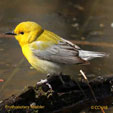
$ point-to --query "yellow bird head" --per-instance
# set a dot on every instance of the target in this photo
(27, 32)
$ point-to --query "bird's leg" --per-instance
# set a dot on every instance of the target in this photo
(49, 85)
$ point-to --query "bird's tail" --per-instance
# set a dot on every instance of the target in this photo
(88, 55)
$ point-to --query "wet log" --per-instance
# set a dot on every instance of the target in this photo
(59, 94)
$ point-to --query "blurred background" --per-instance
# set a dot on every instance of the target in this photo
(80, 20)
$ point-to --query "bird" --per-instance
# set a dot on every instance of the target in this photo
(48, 52)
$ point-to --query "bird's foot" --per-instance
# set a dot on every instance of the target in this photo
(49, 85)
(42, 81)
(48, 75)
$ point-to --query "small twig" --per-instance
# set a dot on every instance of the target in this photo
(100, 44)
(83, 74)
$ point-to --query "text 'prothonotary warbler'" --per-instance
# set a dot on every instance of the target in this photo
(48, 52)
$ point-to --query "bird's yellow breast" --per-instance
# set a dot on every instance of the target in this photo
(32, 59)
(39, 64)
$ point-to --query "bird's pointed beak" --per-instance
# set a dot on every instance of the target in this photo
(10, 33)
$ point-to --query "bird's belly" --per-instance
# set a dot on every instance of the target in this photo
(45, 66)
(39, 64)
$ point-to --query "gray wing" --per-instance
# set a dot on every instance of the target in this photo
(65, 53)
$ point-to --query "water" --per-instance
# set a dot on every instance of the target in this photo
(86, 21)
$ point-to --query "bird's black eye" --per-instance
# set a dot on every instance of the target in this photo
(22, 33)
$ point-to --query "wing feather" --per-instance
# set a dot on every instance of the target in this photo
(64, 52)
